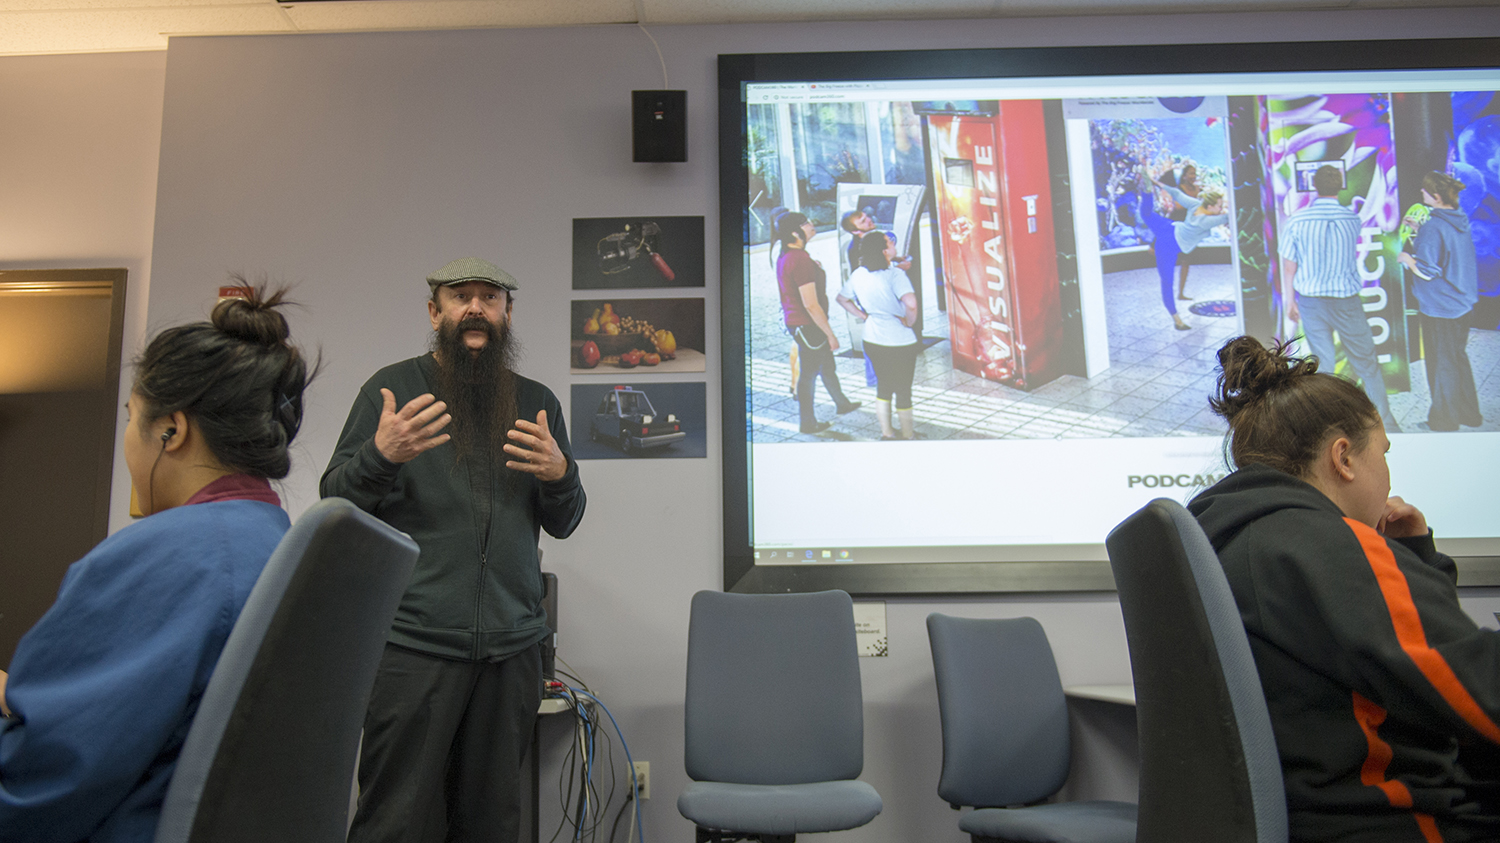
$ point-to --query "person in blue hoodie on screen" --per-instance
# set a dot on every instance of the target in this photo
(102, 690)
(1447, 288)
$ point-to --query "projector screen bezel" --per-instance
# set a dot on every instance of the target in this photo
(741, 572)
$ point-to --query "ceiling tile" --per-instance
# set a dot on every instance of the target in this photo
(65, 26)
(446, 14)
(120, 29)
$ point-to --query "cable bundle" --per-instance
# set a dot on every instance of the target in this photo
(582, 806)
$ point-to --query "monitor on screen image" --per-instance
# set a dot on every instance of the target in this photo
(1036, 201)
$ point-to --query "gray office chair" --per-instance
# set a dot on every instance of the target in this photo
(1005, 736)
(774, 718)
(271, 752)
(1209, 766)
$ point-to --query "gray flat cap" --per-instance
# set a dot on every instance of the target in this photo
(471, 269)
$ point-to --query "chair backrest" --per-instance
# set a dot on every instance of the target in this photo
(773, 693)
(271, 752)
(1209, 766)
(1005, 719)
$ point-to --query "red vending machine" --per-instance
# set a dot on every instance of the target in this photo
(999, 254)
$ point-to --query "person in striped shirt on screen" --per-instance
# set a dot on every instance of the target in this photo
(1321, 284)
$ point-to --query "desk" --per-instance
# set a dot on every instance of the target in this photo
(1122, 694)
(1105, 752)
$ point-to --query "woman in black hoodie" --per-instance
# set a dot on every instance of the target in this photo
(1384, 695)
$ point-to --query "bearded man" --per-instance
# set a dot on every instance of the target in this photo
(464, 470)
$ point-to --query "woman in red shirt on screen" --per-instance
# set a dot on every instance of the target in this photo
(804, 311)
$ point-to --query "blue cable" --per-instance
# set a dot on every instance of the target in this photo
(588, 772)
(587, 725)
(590, 754)
(634, 789)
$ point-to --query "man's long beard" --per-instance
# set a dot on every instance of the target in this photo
(480, 387)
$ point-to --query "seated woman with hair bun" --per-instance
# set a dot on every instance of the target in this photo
(102, 690)
(1384, 694)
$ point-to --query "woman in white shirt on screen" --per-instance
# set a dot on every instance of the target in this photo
(885, 295)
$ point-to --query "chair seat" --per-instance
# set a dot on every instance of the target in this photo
(1060, 822)
(779, 809)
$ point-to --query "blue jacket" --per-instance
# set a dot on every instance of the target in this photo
(104, 687)
(1447, 282)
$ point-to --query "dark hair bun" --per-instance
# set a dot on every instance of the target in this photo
(238, 376)
(253, 317)
(1281, 409)
(1250, 372)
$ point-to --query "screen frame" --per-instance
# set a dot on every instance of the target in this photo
(741, 573)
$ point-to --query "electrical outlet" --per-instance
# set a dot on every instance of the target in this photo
(643, 778)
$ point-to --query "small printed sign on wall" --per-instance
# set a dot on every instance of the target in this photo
(869, 629)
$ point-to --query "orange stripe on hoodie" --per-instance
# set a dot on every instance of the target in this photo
(1429, 828)
(1409, 633)
(1369, 716)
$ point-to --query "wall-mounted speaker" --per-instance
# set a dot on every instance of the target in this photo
(659, 120)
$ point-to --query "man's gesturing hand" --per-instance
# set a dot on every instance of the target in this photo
(403, 435)
(540, 456)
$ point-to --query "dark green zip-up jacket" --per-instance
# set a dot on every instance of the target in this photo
(474, 595)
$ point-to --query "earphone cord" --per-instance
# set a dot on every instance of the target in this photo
(151, 478)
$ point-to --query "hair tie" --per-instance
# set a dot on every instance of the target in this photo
(288, 415)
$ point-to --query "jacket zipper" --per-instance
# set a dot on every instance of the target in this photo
(478, 605)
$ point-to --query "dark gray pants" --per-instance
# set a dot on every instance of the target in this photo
(1321, 317)
(814, 359)
(443, 745)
